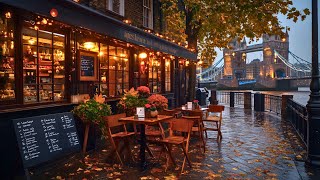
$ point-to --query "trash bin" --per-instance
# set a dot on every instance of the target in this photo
(201, 96)
(259, 102)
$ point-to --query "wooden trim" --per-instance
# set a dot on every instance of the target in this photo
(95, 73)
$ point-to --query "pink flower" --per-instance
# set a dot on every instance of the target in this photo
(143, 90)
(159, 101)
(147, 106)
(195, 101)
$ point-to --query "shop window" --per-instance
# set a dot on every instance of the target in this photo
(116, 6)
(118, 71)
(154, 75)
(148, 14)
(7, 79)
(168, 75)
(43, 66)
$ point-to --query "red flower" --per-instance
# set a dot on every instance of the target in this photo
(147, 106)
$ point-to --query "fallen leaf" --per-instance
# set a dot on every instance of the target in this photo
(79, 169)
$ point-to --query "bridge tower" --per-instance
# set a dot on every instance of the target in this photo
(273, 67)
(234, 59)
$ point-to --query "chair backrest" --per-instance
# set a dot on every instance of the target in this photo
(113, 120)
(216, 108)
(196, 113)
(182, 125)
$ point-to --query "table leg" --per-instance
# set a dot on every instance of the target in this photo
(142, 147)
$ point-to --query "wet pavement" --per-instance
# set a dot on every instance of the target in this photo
(254, 146)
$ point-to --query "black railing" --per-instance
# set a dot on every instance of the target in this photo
(231, 98)
(273, 103)
(297, 115)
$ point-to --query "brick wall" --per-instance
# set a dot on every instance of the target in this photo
(133, 11)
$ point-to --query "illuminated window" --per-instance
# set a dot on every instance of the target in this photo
(168, 75)
(114, 70)
(43, 66)
(7, 79)
(154, 75)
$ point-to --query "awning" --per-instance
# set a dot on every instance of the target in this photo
(79, 15)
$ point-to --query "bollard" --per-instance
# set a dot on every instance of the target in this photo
(213, 99)
(247, 100)
(284, 103)
(231, 99)
(259, 102)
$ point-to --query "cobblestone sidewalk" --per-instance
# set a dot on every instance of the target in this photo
(254, 146)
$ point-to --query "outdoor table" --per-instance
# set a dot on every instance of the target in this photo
(142, 122)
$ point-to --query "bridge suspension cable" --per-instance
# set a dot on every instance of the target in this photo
(290, 65)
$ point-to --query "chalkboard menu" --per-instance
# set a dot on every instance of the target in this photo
(88, 66)
(44, 138)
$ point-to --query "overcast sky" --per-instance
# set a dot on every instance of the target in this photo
(299, 34)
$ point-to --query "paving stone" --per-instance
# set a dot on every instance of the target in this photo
(255, 145)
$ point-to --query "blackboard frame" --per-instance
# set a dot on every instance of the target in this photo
(94, 55)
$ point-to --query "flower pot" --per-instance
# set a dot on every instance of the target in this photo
(154, 113)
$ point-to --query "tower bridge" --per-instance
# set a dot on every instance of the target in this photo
(233, 71)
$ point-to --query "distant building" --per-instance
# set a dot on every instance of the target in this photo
(253, 69)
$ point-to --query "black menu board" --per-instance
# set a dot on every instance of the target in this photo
(87, 65)
(44, 138)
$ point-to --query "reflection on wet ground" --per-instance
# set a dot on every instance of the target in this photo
(254, 146)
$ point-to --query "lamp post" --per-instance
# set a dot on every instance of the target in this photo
(313, 105)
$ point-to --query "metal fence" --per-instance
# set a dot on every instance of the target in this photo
(297, 115)
(273, 103)
(230, 98)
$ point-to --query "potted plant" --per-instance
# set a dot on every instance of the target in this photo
(195, 104)
(92, 111)
(131, 100)
(151, 110)
(159, 101)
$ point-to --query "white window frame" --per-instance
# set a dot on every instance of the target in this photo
(121, 7)
(150, 17)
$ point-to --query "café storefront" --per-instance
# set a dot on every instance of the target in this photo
(53, 52)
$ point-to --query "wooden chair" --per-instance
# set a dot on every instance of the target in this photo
(113, 124)
(214, 116)
(198, 126)
(179, 135)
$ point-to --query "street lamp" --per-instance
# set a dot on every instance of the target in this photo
(313, 106)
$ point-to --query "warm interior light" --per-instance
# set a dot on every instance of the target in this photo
(8, 15)
(100, 53)
(44, 21)
(283, 39)
(143, 55)
(233, 54)
(88, 45)
(168, 63)
(31, 41)
(187, 63)
(12, 45)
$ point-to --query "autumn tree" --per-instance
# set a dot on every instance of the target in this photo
(206, 24)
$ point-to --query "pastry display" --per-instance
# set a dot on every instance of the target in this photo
(44, 67)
